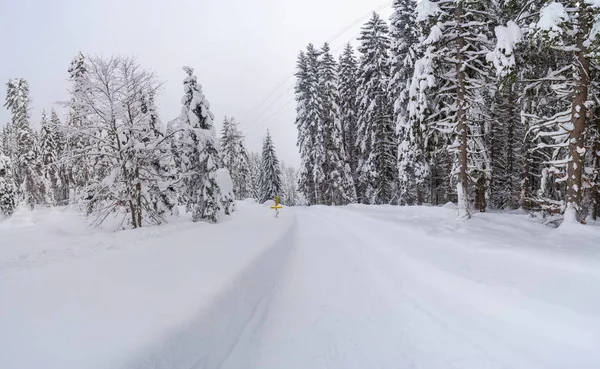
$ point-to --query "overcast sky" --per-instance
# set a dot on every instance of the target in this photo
(241, 50)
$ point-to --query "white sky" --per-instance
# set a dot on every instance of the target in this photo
(241, 50)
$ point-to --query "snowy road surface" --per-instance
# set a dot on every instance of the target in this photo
(361, 290)
(352, 287)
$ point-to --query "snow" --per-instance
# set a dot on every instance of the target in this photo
(224, 181)
(551, 16)
(503, 55)
(161, 297)
(426, 9)
(320, 287)
(415, 287)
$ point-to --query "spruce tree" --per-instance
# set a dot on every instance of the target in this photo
(454, 64)
(49, 149)
(78, 172)
(376, 138)
(235, 158)
(348, 74)
(270, 174)
(571, 28)
(26, 162)
(413, 168)
(338, 184)
(308, 123)
(7, 188)
(60, 138)
(289, 180)
(199, 156)
(255, 169)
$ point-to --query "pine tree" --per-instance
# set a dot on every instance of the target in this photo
(454, 63)
(405, 50)
(235, 158)
(270, 175)
(338, 183)
(50, 153)
(7, 187)
(289, 180)
(571, 28)
(255, 169)
(348, 74)
(78, 172)
(308, 123)
(377, 138)
(62, 191)
(199, 156)
(26, 162)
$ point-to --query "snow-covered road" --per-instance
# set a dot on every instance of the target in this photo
(350, 287)
(387, 288)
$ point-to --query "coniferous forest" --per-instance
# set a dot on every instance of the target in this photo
(490, 104)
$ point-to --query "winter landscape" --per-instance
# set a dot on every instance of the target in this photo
(439, 200)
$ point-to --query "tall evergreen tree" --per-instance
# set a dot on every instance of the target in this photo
(235, 158)
(455, 57)
(376, 138)
(60, 138)
(26, 163)
(308, 122)
(255, 169)
(270, 175)
(348, 74)
(571, 28)
(412, 133)
(78, 171)
(199, 156)
(289, 191)
(50, 153)
(338, 184)
(7, 188)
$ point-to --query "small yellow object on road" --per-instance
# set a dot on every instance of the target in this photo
(277, 206)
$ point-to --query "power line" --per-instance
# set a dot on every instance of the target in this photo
(284, 81)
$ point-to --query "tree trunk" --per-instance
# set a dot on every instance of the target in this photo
(526, 187)
(574, 210)
(462, 189)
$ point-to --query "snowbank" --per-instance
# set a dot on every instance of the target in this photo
(174, 296)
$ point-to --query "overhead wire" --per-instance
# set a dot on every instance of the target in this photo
(286, 79)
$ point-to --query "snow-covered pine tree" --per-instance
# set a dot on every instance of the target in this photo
(413, 168)
(308, 123)
(199, 155)
(62, 193)
(235, 158)
(338, 184)
(376, 137)
(454, 60)
(7, 188)
(347, 76)
(25, 164)
(255, 169)
(159, 171)
(270, 174)
(289, 180)
(571, 27)
(78, 166)
(49, 151)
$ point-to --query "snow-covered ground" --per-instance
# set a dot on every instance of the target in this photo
(174, 296)
(351, 287)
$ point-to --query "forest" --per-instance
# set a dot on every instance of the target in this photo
(490, 104)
